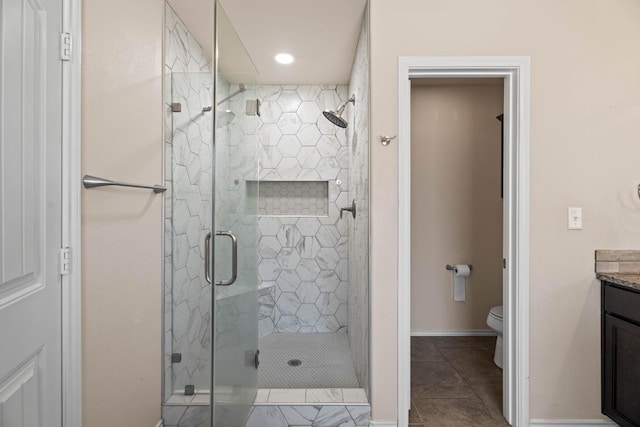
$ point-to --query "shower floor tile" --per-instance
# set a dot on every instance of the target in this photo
(326, 361)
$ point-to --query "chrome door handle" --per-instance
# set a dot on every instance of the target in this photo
(234, 258)
(207, 260)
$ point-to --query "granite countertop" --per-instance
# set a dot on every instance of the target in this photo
(628, 280)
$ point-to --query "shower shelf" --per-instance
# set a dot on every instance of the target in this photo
(291, 198)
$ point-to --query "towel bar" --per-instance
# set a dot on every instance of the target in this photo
(93, 181)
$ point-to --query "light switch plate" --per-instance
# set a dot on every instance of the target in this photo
(574, 218)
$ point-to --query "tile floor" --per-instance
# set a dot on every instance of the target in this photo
(454, 382)
(326, 361)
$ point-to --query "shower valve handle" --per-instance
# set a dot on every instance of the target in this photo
(351, 209)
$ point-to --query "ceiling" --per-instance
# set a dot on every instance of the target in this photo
(321, 35)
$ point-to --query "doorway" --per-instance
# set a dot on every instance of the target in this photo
(456, 222)
(515, 73)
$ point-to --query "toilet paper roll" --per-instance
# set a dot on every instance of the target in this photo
(460, 272)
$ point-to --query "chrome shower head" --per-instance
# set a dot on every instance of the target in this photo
(335, 117)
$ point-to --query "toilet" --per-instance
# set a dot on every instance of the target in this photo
(494, 321)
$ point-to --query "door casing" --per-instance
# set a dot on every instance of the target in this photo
(71, 218)
(516, 74)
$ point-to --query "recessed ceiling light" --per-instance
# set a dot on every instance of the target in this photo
(284, 58)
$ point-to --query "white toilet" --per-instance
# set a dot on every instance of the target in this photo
(494, 321)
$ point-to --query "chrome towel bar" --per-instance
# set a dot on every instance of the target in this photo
(93, 181)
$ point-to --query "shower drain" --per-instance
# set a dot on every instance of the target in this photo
(294, 362)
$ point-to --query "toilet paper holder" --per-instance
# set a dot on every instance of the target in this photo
(452, 267)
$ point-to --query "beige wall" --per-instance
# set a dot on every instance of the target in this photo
(585, 104)
(456, 208)
(122, 140)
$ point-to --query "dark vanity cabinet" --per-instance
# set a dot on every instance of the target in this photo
(621, 354)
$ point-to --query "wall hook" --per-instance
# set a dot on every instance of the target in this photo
(386, 140)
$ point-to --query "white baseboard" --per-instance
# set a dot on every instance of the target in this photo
(532, 423)
(576, 423)
(160, 424)
(462, 333)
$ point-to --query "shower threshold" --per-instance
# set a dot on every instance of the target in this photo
(285, 396)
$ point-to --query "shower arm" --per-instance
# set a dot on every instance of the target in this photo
(342, 106)
(238, 92)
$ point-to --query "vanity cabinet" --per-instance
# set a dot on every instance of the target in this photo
(621, 354)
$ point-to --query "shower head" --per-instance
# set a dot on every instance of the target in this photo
(335, 117)
(223, 118)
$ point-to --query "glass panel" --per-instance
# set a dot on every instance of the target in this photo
(236, 163)
(187, 220)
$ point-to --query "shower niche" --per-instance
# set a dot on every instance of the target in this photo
(269, 186)
(291, 198)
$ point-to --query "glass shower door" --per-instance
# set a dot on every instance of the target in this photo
(234, 236)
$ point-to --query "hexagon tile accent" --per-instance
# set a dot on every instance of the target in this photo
(303, 179)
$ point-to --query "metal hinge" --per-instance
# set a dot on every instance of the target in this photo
(66, 46)
(65, 261)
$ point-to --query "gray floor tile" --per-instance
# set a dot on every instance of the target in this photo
(472, 362)
(455, 383)
(455, 413)
(489, 390)
(438, 380)
(423, 348)
(464, 342)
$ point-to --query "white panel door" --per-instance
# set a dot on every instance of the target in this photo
(30, 213)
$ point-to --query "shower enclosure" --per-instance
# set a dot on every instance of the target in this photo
(266, 280)
(210, 310)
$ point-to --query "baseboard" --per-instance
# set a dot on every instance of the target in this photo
(532, 423)
(462, 333)
(160, 424)
(576, 423)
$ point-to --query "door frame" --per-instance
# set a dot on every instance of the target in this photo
(71, 218)
(515, 70)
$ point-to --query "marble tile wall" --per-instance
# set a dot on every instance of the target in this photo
(304, 257)
(237, 167)
(358, 140)
(307, 415)
(269, 415)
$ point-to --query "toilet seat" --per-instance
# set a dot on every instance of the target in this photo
(496, 312)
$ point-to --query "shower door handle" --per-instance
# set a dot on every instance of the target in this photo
(234, 258)
(207, 260)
